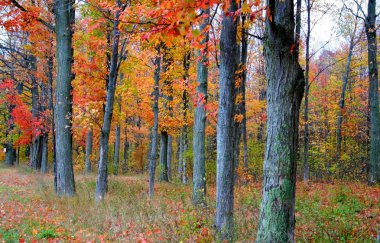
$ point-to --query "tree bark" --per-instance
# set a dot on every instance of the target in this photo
(306, 166)
(343, 93)
(199, 157)
(168, 98)
(153, 152)
(64, 19)
(170, 155)
(102, 181)
(9, 152)
(374, 159)
(126, 148)
(89, 142)
(178, 156)
(225, 127)
(51, 107)
(44, 153)
(183, 157)
(164, 156)
(116, 157)
(244, 57)
(36, 145)
(285, 91)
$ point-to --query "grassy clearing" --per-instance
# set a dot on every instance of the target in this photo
(29, 210)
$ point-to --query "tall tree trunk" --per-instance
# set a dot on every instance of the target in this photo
(183, 156)
(199, 157)
(102, 181)
(262, 97)
(17, 162)
(50, 64)
(178, 156)
(45, 133)
(164, 156)
(285, 91)
(374, 159)
(116, 157)
(153, 152)
(170, 155)
(64, 19)
(225, 127)
(168, 98)
(238, 109)
(126, 148)
(9, 152)
(44, 155)
(36, 145)
(306, 167)
(89, 142)
(343, 93)
(244, 57)
(185, 101)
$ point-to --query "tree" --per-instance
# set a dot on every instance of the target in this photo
(352, 44)
(370, 30)
(153, 152)
(225, 127)
(285, 91)
(374, 131)
(64, 19)
(89, 142)
(306, 166)
(199, 173)
(102, 180)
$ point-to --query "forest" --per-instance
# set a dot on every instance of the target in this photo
(189, 121)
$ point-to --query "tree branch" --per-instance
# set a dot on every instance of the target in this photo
(47, 25)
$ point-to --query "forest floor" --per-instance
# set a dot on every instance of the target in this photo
(30, 211)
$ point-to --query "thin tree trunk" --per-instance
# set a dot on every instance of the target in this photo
(169, 158)
(184, 146)
(178, 156)
(116, 157)
(225, 127)
(168, 98)
(306, 167)
(343, 93)
(17, 162)
(89, 142)
(36, 145)
(44, 155)
(185, 101)
(51, 107)
(153, 152)
(102, 181)
(64, 19)
(164, 156)
(199, 157)
(374, 161)
(244, 57)
(285, 91)
(126, 148)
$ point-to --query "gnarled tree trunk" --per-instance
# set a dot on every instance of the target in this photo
(285, 91)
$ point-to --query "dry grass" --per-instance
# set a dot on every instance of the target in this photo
(30, 210)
